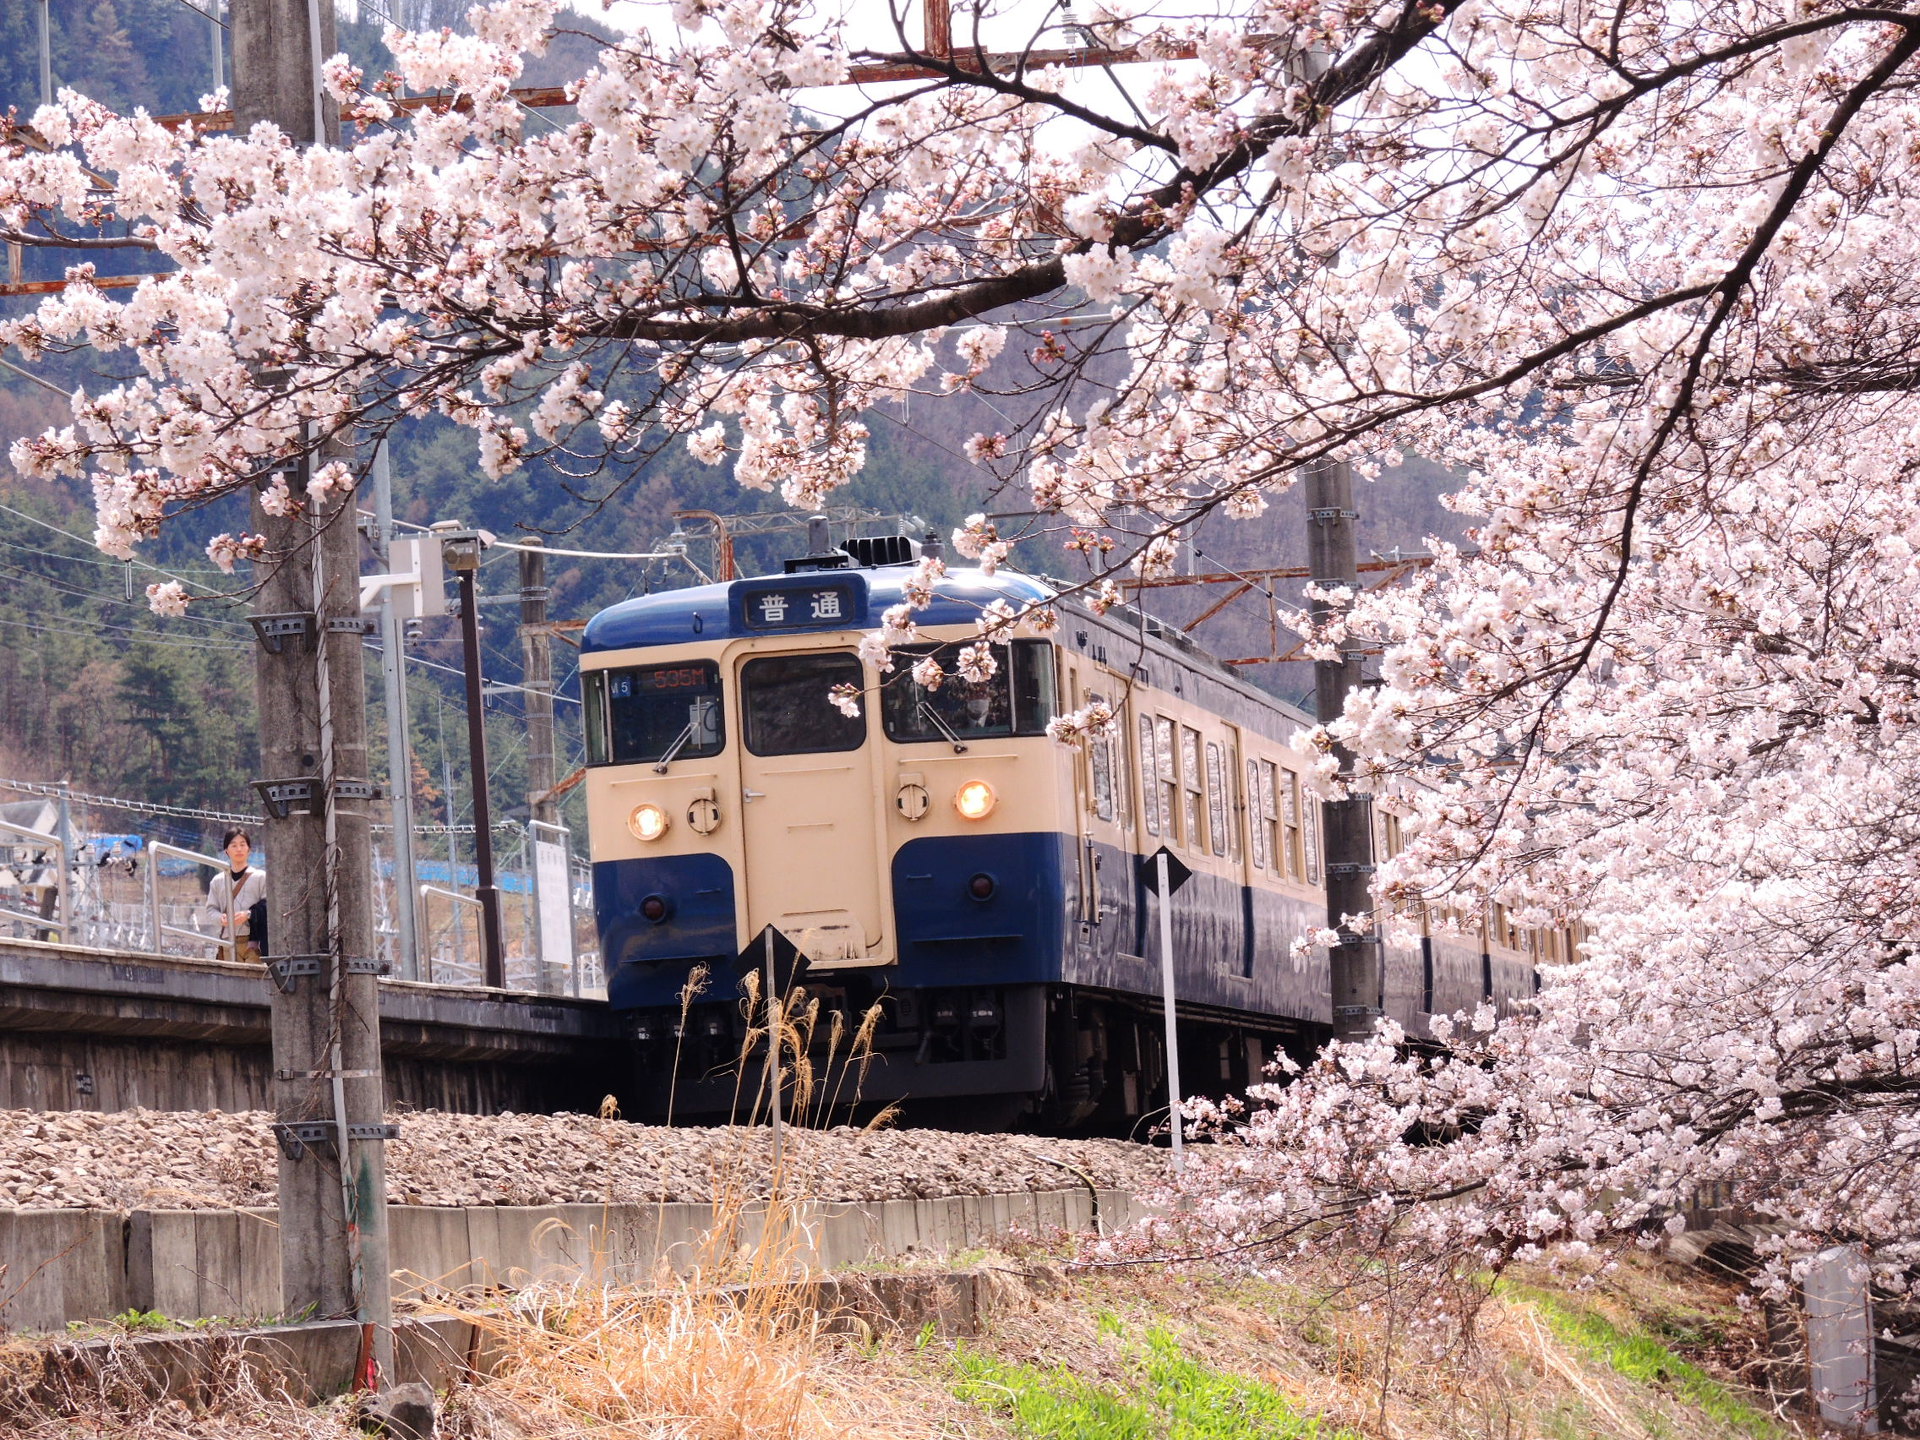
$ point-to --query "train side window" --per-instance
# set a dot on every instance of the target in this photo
(1194, 784)
(1116, 742)
(651, 710)
(1310, 833)
(783, 699)
(1100, 762)
(1216, 800)
(1256, 818)
(593, 706)
(1290, 817)
(1033, 686)
(1017, 699)
(1236, 807)
(1167, 778)
(1270, 812)
(1149, 791)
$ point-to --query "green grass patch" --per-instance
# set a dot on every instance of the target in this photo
(1644, 1359)
(1167, 1395)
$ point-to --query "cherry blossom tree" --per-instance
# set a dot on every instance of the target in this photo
(1644, 274)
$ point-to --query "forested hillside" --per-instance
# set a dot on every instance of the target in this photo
(95, 689)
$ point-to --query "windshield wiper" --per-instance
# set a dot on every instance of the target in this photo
(932, 717)
(679, 744)
(698, 714)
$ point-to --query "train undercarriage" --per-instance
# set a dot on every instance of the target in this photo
(1053, 1058)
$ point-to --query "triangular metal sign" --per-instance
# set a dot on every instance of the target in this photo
(1177, 873)
(788, 963)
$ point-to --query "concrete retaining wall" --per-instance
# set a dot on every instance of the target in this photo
(100, 1030)
(316, 1359)
(58, 1266)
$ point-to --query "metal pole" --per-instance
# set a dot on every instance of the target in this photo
(46, 52)
(158, 935)
(492, 953)
(1166, 1002)
(774, 1012)
(393, 666)
(457, 930)
(1354, 964)
(68, 863)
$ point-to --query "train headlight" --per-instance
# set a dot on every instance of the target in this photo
(974, 800)
(647, 822)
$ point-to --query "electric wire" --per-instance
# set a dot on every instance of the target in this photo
(143, 637)
(83, 540)
(119, 802)
(25, 574)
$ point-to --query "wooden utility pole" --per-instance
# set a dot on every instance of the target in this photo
(536, 655)
(1333, 559)
(328, 1091)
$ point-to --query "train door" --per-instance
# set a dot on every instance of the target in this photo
(1088, 861)
(1240, 850)
(807, 782)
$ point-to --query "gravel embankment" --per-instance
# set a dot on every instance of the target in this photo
(151, 1159)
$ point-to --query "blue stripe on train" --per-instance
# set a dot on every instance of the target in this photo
(949, 937)
(646, 964)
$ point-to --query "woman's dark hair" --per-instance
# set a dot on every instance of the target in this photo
(236, 833)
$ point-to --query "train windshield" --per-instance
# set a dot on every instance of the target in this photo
(784, 699)
(1017, 699)
(649, 711)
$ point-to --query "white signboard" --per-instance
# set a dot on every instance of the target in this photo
(1840, 1338)
(553, 896)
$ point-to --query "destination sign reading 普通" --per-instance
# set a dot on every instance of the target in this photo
(822, 605)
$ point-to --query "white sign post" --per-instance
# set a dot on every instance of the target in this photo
(1840, 1339)
(1169, 875)
(553, 902)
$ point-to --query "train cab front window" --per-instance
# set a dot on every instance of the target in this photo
(645, 713)
(1017, 699)
(784, 701)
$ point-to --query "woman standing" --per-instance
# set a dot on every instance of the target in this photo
(237, 899)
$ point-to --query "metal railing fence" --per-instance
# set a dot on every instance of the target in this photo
(149, 896)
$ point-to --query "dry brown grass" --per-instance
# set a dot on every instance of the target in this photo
(729, 1349)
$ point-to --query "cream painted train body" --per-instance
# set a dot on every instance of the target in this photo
(939, 854)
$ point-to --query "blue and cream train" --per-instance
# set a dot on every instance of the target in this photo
(937, 853)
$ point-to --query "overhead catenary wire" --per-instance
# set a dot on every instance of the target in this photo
(40, 380)
(120, 802)
(456, 670)
(22, 573)
(120, 632)
(550, 550)
(206, 14)
(83, 540)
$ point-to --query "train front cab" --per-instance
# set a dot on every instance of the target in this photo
(911, 851)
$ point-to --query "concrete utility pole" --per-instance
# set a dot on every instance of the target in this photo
(1333, 559)
(536, 651)
(327, 1088)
